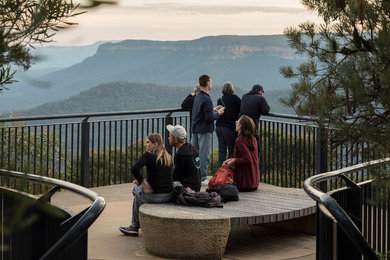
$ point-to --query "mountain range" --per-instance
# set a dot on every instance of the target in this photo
(128, 96)
(242, 60)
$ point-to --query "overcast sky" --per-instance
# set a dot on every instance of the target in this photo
(184, 20)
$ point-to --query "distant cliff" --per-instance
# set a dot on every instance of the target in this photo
(242, 60)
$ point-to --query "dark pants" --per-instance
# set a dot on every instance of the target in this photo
(226, 140)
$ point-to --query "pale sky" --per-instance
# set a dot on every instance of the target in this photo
(172, 20)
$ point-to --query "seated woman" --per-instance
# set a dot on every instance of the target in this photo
(245, 160)
(158, 185)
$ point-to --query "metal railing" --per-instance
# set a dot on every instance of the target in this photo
(50, 235)
(98, 149)
(363, 225)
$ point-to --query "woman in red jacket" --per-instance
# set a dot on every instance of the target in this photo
(246, 158)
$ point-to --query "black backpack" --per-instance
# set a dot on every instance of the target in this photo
(199, 198)
(228, 192)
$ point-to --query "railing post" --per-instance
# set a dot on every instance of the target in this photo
(322, 154)
(324, 229)
(351, 202)
(85, 153)
(168, 121)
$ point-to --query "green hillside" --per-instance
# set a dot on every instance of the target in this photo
(127, 96)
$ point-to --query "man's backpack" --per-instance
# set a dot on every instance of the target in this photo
(199, 198)
(228, 192)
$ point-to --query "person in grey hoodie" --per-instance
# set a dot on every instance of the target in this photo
(187, 163)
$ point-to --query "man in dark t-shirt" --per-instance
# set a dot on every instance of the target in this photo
(186, 159)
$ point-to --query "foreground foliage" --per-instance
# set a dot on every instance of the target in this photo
(27, 22)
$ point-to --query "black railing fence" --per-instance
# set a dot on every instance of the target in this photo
(351, 222)
(34, 228)
(99, 149)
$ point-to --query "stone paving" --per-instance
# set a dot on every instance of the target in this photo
(245, 242)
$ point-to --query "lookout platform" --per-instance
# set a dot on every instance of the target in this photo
(202, 233)
(245, 241)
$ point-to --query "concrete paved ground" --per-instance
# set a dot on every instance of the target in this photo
(246, 242)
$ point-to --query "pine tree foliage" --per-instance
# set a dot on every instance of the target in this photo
(345, 81)
(27, 22)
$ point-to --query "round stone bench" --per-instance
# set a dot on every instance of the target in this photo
(175, 232)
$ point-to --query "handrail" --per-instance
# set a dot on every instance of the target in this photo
(286, 116)
(126, 113)
(87, 115)
(82, 225)
(345, 222)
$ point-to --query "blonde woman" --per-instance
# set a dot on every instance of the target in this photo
(157, 187)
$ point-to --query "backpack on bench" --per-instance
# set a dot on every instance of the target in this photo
(199, 198)
(228, 192)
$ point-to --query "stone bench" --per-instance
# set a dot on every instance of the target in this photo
(175, 231)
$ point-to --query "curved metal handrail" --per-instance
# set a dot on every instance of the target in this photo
(82, 225)
(345, 222)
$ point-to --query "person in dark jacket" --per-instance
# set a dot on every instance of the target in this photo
(253, 104)
(188, 102)
(157, 187)
(225, 125)
(187, 163)
(245, 160)
(203, 117)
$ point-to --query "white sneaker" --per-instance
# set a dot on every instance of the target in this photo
(205, 182)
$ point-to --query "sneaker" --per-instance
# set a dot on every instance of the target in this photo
(205, 182)
(129, 231)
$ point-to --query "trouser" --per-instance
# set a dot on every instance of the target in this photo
(202, 143)
(226, 140)
(140, 198)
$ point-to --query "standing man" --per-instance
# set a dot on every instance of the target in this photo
(186, 159)
(202, 123)
(253, 104)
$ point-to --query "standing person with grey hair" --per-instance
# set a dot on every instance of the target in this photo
(203, 117)
(187, 163)
(225, 125)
